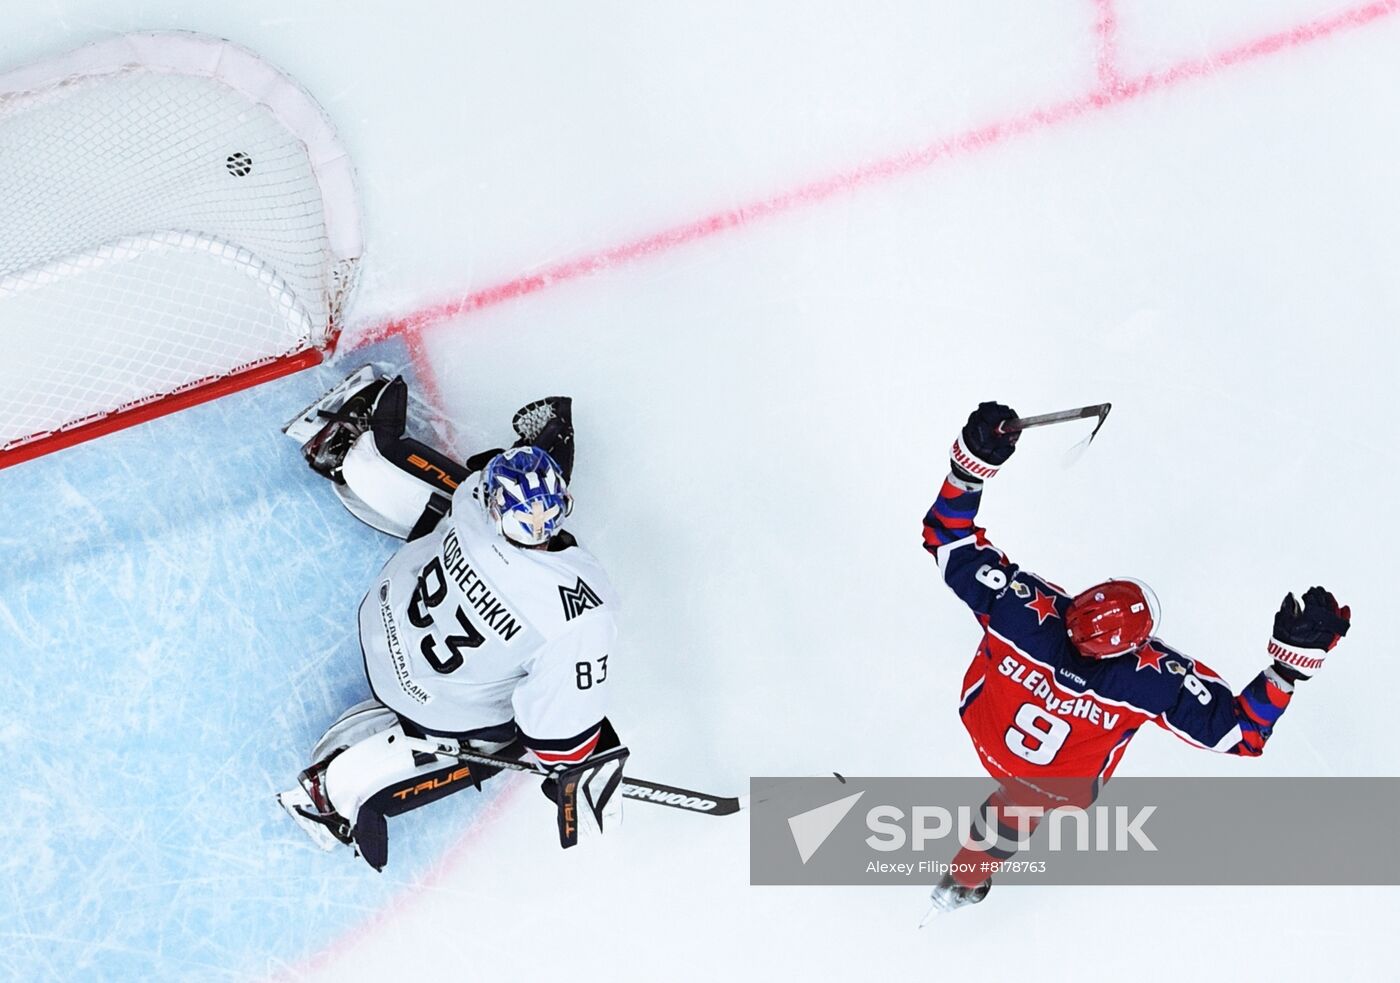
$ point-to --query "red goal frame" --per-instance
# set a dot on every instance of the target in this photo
(203, 391)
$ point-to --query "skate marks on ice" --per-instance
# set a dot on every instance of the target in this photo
(178, 626)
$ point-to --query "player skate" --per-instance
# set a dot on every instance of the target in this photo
(948, 895)
(1097, 652)
(491, 630)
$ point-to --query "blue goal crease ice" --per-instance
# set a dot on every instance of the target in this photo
(177, 623)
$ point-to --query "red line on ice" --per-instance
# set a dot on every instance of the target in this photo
(425, 379)
(406, 897)
(942, 149)
(1106, 57)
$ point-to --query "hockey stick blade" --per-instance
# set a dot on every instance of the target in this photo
(680, 798)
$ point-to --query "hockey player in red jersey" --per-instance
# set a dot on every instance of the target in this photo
(1060, 684)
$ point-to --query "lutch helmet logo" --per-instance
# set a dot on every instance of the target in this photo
(812, 828)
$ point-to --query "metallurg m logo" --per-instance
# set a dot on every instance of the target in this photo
(578, 599)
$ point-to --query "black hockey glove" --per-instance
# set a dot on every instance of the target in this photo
(1305, 631)
(982, 447)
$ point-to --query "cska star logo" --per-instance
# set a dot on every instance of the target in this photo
(578, 599)
(1043, 606)
(1150, 656)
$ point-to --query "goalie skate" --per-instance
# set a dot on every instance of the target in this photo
(320, 828)
(310, 421)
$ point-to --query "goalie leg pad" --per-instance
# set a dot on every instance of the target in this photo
(389, 479)
(436, 783)
(377, 761)
(352, 726)
(372, 838)
(371, 765)
(386, 773)
(379, 492)
(389, 423)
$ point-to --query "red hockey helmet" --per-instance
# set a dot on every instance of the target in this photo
(1112, 618)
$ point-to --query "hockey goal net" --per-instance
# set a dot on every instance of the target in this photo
(178, 220)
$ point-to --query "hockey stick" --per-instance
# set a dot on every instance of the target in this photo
(632, 788)
(1099, 410)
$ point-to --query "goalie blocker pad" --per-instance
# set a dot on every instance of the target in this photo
(587, 795)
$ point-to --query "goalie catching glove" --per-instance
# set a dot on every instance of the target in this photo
(1305, 631)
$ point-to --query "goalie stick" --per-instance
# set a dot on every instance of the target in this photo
(638, 789)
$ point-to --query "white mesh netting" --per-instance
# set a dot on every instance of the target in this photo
(172, 212)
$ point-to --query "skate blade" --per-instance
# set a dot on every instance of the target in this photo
(309, 422)
(296, 799)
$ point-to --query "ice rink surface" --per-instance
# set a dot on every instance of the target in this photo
(776, 252)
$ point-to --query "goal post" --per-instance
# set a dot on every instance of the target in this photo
(178, 221)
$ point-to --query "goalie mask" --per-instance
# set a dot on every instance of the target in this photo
(1112, 618)
(524, 491)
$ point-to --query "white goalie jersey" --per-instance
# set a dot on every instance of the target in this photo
(463, 631)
